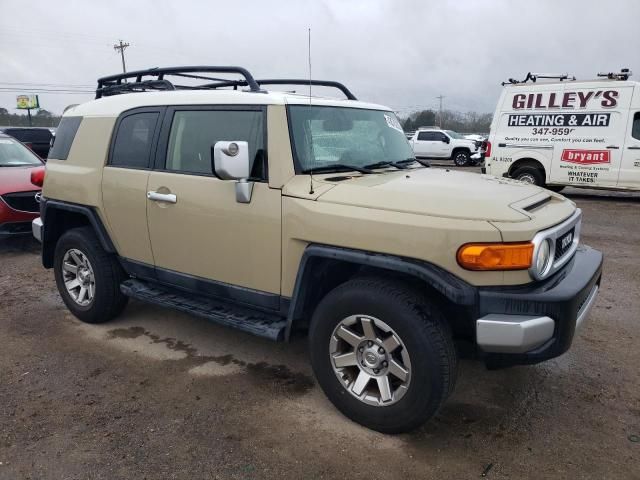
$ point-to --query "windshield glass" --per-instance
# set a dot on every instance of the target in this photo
(455, 135)
(14, 154)
(326, 136)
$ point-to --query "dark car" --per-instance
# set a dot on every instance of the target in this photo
(37, 139)
(18, 203)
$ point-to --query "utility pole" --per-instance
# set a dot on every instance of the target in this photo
(440, 97)
(121, 46)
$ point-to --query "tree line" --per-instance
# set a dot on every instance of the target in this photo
(469, 122)
(40, 118)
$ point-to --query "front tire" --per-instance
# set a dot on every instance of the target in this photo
(383, 354)
(461, 158)
(87, 277)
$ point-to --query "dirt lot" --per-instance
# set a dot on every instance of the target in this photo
(157, 394)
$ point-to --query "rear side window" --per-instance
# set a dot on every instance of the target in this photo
(64, 137)
(635, 130)
(424, 136)
(134, 140)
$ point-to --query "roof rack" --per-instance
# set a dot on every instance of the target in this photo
(624, 74)
(117, 84)
(289, 81)
(535, 76)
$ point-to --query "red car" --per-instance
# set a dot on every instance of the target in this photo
(18, 203)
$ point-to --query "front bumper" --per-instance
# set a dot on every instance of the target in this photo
(532, 323)
(14, 222)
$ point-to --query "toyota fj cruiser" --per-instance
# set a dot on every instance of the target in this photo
(278, 213)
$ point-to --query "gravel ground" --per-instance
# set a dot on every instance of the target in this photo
(157, 394)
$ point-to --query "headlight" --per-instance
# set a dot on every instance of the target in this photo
(543, 258)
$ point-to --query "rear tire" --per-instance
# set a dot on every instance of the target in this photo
(407, 340)
(88, 278)
(531, 175)
(461, 158)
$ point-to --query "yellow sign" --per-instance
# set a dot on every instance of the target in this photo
(27, 102)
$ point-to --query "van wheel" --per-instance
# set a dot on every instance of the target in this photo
(530, 175)
(87, 277)
(383, 354)
(461, 158)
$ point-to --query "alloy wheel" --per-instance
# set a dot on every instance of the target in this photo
(370, 360)
(78, 277)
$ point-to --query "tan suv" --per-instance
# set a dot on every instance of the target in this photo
(280, 213)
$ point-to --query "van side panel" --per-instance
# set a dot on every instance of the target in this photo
(574, 130)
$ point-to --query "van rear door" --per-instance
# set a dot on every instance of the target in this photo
(588, 135)
(630, 170)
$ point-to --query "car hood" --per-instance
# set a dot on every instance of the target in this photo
(437, 192)
(17, 179)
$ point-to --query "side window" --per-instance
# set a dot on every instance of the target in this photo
(635, 130)
(423, 136)
(63, 140)
(440, 137)
(195, 132)
(134, 140)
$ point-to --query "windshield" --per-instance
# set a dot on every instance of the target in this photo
(326, 136)
(14, 154)
(455, 135)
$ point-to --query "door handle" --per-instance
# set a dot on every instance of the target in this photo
(613, 147)
(162, 197)
(634, 148)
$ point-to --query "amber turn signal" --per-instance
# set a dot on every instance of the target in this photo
(495, 256)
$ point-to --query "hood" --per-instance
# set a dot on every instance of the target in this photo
(17, 179)
(437, 192)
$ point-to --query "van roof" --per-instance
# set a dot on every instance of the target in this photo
(595, 82)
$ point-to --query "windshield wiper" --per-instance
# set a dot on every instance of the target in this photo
(386, 163)
(337, 167)
(407, 161)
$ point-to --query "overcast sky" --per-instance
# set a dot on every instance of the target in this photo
(398, 53)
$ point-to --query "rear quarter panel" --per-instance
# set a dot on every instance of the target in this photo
(78, 179)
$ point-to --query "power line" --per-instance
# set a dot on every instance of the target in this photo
(46, 85)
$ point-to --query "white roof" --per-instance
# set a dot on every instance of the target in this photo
(114, 105)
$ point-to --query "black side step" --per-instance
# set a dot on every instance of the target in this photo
(243, 318)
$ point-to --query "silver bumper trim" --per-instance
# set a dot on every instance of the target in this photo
(512, 333)
(583, 313)
(36, 229)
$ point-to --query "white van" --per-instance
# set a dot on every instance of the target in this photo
(567, 132)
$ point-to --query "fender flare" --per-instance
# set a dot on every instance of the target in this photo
(451, 287)
(50, 208)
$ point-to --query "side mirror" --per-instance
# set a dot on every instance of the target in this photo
(445, 139)
(231, 162)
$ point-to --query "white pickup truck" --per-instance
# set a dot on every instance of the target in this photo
(436, 143)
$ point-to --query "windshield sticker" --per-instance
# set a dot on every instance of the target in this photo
(393, 122)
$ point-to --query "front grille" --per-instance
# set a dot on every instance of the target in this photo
(563, 243)
(23, 201)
